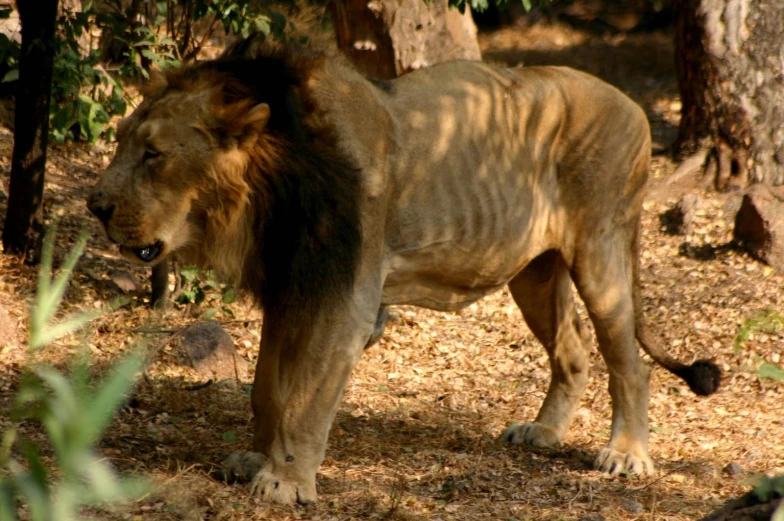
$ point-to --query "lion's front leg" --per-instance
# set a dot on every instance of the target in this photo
(302, 370)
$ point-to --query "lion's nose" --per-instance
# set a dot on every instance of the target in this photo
(97, 204)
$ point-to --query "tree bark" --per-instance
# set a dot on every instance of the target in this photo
(387, 38)
(730, 64)
(23, 227)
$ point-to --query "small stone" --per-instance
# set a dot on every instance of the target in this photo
(631, 506)
(595, 516)
(242, 466)
(678, 478)
(210, 350)
(732, 469)
(124, 280)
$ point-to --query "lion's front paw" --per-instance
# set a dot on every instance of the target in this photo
(614, 462)
(532, 434)
(271, 488)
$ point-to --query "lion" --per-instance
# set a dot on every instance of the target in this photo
(329, 197)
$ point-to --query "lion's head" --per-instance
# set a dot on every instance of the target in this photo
(227, 165)
(178, 176)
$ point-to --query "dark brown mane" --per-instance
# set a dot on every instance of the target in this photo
(305, 193)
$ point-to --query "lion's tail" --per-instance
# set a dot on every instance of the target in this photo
(703, 376)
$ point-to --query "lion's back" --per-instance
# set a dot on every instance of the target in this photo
(468, 116)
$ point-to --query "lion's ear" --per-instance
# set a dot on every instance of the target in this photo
(252, 122)
(156, 84)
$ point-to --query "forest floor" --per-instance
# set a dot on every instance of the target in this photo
(416, 434)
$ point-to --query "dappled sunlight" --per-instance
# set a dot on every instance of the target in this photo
(416, 434)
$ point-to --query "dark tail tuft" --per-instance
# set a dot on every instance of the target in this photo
(703, 377)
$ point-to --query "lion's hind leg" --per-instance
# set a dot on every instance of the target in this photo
(543, 293)
(603, 276)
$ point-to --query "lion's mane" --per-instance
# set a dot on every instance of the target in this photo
(290, 198)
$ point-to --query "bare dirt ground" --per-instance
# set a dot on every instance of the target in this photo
(415, 437)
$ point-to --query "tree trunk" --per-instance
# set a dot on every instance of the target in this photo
(23, 228)
(730, 63)
(387, 38)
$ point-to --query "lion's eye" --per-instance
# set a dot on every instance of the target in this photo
(150, 154)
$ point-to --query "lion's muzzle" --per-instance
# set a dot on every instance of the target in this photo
(100, 205)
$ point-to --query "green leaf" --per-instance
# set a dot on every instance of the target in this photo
(36, 467)
(45, 270)
(6, 443)
(38, 497)
(104, 485)
(188, 274)
(769, 488)
(527, 4)
(58, 287)
(117, 105)
(480, 5)
(53, 332)
(61, 409)
(228, 436)
(767, 321)
(92, 118)
(8, 506)
(11, 75)
(210, 314)
(111, 393)
(769, 371)
(50, 294)
(778, 515)
(229, 295)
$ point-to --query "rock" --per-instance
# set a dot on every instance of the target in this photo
(124, 280)
(241, 466)
(592, 517)
(209, 349)
(678, 219)
(759, 225)
(732, 469)
(730, 208)
(631, 506)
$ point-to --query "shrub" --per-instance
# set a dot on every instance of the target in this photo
(72, 411)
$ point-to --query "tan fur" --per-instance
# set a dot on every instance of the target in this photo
(472, 177)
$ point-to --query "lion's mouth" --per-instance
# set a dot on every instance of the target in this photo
(148, 253)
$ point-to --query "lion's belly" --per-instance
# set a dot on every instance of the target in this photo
(448, 275)
(428, 291)
(434, 296)
(464, 231)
